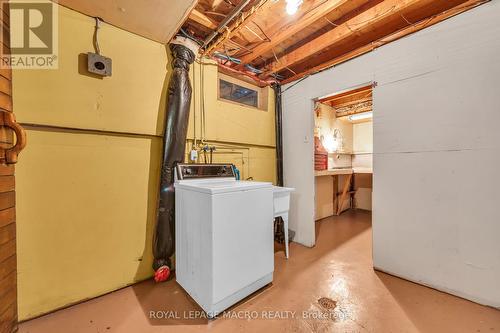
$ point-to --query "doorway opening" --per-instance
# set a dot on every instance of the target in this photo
(343, 150)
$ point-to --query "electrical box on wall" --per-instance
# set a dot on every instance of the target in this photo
(98, 64)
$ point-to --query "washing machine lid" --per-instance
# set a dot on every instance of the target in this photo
(216, 186)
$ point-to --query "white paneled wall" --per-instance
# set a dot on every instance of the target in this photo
(436, 153)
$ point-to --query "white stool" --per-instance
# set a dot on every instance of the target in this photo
(281, 208)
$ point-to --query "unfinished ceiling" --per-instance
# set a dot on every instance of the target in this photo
(350, 102)
(355, 104)
(265, 43)
(158, 20)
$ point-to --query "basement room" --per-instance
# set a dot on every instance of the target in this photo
(249, 165)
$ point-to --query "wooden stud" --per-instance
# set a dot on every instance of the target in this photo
(335, 194)
(347, 185)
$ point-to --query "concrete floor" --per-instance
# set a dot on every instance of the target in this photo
(338, 269)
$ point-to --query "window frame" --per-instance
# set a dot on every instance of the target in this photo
(262, 98)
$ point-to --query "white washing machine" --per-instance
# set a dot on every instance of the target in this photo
(224, 235)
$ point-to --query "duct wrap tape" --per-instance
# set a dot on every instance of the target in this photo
(177, 116)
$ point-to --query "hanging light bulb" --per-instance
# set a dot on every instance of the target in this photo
(292, 6)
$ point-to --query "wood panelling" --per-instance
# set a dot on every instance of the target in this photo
(8, 266)
(6, 170)
(7, 183)
(7, 283)
(7, 216)
(7, 199)
(8, 273)
(7, 250)
(5, 86)
(7, 234)
(7, 300)
(8, 318)
(5, 101)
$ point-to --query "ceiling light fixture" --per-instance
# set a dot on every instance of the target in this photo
(361, 116)
(292, 6)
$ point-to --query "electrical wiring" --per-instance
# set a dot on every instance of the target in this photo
(253, 69)
(227, 58)
(262, 31)
(188, 36)
(98, 20)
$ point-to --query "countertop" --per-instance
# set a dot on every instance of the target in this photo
(342, 171)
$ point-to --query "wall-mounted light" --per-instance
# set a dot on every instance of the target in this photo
(361, 116)
(330, 143)
(333, 142)
(292, 6)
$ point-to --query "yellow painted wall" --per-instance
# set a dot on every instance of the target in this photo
(128, 101)
(242, 135)
(363, 137)
(85, 216)
(86, 198)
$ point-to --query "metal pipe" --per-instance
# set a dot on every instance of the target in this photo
(226, 21)
(279, 133)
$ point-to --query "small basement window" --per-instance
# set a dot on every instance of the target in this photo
(235, 93)
(240, 92)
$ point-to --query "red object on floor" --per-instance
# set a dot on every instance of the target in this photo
(162, 274)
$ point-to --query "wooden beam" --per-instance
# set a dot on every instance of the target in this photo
(288, 31)
(376, 14)
(388, 39)
(350, 113)
(350, 103)
(202, 19)
(216, 3)
(348, 94)
(239, 23)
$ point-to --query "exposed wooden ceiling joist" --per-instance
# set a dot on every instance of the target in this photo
(347, 97)
(240, 22)
(390, 38)
(299, 24)
(202, 19)
(377, 14)
(323, 33)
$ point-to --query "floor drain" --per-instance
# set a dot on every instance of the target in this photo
(327, 303)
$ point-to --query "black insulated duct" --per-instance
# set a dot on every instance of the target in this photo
(177, 117)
